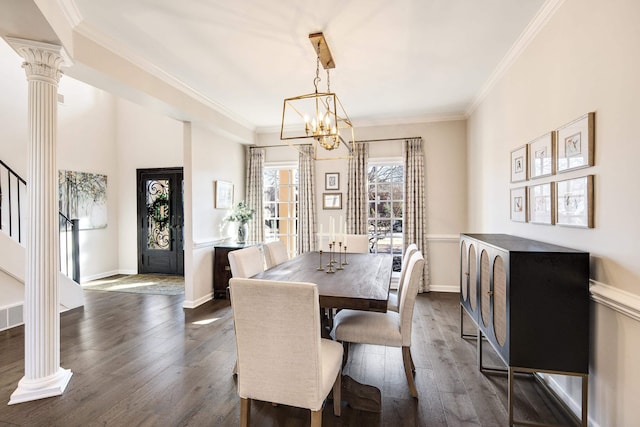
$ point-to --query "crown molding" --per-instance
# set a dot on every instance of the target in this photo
(71, 12)
(78, 25)
(127, 54)
(398, 121)
(530, 32)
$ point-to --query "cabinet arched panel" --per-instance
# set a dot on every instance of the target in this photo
(473, 277)
(499, 300)
(464, 269)
(485, 288)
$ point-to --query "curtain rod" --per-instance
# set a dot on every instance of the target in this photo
(278, 145)
(357, 140)
(387, 139)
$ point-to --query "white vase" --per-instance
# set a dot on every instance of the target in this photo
(243, 231)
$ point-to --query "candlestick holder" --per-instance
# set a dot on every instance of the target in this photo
(330, 268)
(320, 267)
(345, 256)
(332, 259)
(340, 265)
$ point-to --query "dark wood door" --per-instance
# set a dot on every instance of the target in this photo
(160, 221)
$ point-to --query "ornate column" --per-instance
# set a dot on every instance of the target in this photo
(43, 376)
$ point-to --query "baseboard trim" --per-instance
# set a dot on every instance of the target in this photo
(621, 301)
(193, 304)
(561, 394)
(444, 288)
(98, 276)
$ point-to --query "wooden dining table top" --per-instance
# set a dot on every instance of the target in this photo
(363, 284)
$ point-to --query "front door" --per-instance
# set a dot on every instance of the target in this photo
(160, 221)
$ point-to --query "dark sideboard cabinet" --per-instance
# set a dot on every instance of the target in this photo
(221, 268)
(530, 300)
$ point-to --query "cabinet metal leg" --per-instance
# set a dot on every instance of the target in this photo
(585, 395)
(462, 334)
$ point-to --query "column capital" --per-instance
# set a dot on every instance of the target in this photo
(42, 61)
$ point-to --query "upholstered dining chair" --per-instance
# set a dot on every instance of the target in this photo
(392, 304)
(246, 262)
(388, 329)
(281, 357)
(275, 253)
(356, 244)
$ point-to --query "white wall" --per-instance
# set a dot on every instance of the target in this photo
(446, 181)
(208, 157)
(86, 143)
(584, 59)
(145, 139)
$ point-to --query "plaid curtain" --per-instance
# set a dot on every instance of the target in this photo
(306, 200)
(357, 199)
(414, 229)
(253, 192)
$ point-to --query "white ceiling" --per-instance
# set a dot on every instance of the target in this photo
(394, 59)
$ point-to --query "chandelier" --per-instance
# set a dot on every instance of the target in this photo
(318, 115)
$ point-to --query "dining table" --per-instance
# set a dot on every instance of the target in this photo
(357, 281)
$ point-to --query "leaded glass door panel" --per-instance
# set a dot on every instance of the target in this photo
(160, 221)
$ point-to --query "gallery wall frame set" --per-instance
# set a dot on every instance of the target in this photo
(565, 149)
(567, 202)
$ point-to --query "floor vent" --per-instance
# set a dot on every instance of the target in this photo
(11, 317)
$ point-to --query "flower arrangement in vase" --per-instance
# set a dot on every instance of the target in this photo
(241, 214)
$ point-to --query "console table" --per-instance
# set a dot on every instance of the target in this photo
(530, 300)
(221, 268)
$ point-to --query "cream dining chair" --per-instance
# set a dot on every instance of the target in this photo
(392, 304)
(356, 243)
(281, 357)
(246, 262)
(388, 329)
(275, 253)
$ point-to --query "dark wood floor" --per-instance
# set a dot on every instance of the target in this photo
(141, 360)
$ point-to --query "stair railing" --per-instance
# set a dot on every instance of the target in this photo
(13, 188)
(70, 247)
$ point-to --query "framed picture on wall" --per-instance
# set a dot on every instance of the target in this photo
(332, 181)
(519, 204)
(223, 198)
(541, 203)
(574, 202)
(519, 164)
(331, 200)
(541, 156)
(575, 143)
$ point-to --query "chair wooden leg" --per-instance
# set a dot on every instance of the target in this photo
(245, 412)
(406, 358)
(337, 399)
(316, 418)
(413, 366)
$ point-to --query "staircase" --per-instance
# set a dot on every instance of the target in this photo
(13, 254)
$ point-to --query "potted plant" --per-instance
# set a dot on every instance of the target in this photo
(241, 214)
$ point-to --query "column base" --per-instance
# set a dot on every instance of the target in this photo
(41, 388)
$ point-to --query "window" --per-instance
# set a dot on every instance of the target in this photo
(280, 200)
(386, 206)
